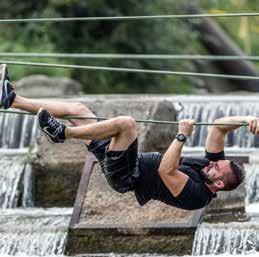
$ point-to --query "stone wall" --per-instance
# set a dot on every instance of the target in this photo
(171, 241)
(37, 86)
(57, 172)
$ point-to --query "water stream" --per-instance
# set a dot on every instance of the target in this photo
(25, 230)
(216, 107)
(33, 231)
(17, 131)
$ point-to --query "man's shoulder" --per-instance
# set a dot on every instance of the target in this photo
(215, 156)
(198, 162)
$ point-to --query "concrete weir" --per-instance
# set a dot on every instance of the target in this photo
(104, 221)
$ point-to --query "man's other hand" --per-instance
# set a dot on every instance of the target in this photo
(253, 125)
(186, 127)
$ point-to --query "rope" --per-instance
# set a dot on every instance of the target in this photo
(161, 72)
(132, 56)
(161, 122)
(121, 18)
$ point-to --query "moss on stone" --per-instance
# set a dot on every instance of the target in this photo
(87, 241)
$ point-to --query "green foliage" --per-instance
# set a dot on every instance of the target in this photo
(133, 37)
(243, 30)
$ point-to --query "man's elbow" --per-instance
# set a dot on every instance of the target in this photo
(167, 170)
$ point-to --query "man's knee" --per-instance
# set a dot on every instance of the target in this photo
(78, 108)
(126, 124)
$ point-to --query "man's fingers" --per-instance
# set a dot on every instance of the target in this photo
(257, 127)
(253, 126)
(191, 122)
(186, 126)
(187, 121)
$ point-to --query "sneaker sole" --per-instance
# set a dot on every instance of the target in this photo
(43, 132)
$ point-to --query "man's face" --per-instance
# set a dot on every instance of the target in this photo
(216, 171)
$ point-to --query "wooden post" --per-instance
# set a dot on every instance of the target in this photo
(87, 171)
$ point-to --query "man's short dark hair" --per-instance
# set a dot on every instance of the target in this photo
(233, 179)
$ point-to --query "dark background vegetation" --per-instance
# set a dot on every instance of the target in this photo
(131, 37)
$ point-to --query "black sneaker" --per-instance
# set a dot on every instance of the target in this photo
(7, 94)
(51, 127)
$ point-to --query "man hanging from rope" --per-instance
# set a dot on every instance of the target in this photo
(187, 183)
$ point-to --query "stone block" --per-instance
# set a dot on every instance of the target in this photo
(43, 86)
(57, 172)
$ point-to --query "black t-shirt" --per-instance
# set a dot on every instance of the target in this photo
(195, 193)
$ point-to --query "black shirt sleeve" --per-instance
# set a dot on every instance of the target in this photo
(194, 195)
(215, 156)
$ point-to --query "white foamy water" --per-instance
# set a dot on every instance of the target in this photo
(17, 131)
(33, 231)
(207, 109)
(14, 180)
(227, 238)
(27, 231)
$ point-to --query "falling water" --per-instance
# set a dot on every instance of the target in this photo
(230, 238)
(14, 185)
(233, 238)
(29, 231)
(216, 107)
(17, 131)
(25, 231)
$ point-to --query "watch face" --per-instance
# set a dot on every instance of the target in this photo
(181, 137)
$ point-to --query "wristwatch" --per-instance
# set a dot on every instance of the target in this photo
(181, 137)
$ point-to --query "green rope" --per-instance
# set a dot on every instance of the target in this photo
(142, 17)
(161, 122)
(132, 56)
(113, 69)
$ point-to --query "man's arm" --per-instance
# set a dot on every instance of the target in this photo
(174, 179)
(216, 136)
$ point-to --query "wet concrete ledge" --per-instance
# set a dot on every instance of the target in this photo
(163, 240)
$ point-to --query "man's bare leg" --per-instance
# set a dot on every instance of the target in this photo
(56, 108)
(121, 129)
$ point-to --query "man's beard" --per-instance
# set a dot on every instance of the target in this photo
(205, 178)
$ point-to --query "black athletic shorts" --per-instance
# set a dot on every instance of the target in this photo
(119, 167)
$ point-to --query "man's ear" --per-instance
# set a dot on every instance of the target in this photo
(219, 184)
